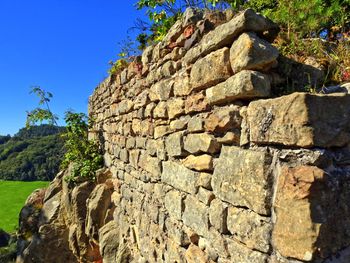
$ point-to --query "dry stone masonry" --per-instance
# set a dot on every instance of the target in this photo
(202, 165)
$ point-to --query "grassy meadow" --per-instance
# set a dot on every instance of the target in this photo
(13, 194)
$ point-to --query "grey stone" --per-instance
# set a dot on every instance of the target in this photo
(244, 183)
(244, 85)
(174, 144)
(218, 215)
(195, 216)
(201, 142)
(173, 202)
(301, 119)
(179, 177)
(211, 70)
(249, 228)
(252, 52)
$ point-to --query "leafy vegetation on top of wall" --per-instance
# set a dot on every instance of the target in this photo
(32, 154)
(309, 28)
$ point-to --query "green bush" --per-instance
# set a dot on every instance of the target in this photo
(83, 154)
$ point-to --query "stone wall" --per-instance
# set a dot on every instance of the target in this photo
(202, 165)
(207, 170)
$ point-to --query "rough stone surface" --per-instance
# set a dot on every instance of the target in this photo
(301, 119)
(174, 144)
(319, 225)
(199, 163)
(211, 70)
(244, 183)
(218, 215)
(249, 228)
(201, 142)
(244, 85)
(251, 52)
(195, 216)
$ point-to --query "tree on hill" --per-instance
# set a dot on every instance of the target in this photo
(32, 154)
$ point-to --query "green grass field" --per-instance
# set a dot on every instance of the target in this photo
(13, 194)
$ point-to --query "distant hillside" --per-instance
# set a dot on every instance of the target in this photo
(31, 154)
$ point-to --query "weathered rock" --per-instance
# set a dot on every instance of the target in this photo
(161, 111)
(199, 163)
(195, 255)
(319, 225)
(179, 177)
(110, 248)
(225, 34)
(249, 228)
(196, 103)
(97, 206)
(244, 183)
(174, 204)
(205, 196)
(218, 215)
(182, 86)
(175, 107)
(211, 70)
(244, 85)
(223, 119)
(301, 119)
(40, 248)
(151, 165)
(242, 254)
(161, 90)
(195, 216)
(252, 52)
(195, 124)
(174, 144)
(201, 142)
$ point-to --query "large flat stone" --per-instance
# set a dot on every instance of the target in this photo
(242, 178)
(249, 228)
(301, 119)
(246, 84)
(196, 216)
(180, 177)
(211, 70)
(312, 216)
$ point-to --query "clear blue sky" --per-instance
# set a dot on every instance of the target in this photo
(61, 45)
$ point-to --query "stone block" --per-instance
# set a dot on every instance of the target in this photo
(174, 144)
(196, 103)
(225, 34)
(161, 90)
(250, 228)
(205, 196)
(242, 178)
(251, 52)
(160, 131)
(175, 107)
(211, 70)
(182, 86)
(174, 204)
(196, 124)
(199, 163)
(312, 216)
(223, 120)
(151, 165)
(180, 177)
(240, 253)
(218, 215)
(195, 216)
(201, 143)
(160, 111)
(246, 84)
(301, 119)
